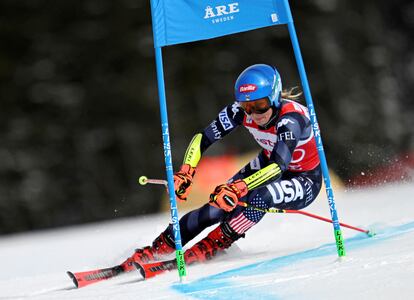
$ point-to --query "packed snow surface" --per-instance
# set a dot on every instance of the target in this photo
(285, 256)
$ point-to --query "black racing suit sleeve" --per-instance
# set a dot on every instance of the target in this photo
(291, 128)
(227, 120)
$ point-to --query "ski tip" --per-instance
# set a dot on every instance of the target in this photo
(140, 269)
(72, 276)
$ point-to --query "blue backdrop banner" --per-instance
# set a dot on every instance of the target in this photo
(181, 21)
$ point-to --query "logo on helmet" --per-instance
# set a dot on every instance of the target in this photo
(247, 88)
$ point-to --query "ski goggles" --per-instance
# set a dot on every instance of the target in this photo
(259, 106)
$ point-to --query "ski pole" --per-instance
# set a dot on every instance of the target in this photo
(293, 211)
(143, 180)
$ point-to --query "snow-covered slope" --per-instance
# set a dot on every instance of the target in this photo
(283, 257)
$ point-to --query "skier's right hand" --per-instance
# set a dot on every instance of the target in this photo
(183, 179)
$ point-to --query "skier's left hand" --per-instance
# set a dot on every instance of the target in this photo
(226, 196)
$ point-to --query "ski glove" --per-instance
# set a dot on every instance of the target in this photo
(226, 196)
(183, 179)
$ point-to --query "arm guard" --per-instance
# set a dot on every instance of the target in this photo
(193, 154)
(262, 176)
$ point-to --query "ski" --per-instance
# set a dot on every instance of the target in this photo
(149, 270)
(153, 269)
(81, 279)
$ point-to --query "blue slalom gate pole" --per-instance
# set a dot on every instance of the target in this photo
(169, 166)
(181, 21)
(317, 135)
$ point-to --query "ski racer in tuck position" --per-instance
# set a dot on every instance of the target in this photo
(285, 174)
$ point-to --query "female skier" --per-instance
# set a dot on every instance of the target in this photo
(285, 174)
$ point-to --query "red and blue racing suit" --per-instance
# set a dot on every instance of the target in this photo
(286, 140)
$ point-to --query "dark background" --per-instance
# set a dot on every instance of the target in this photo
(79, 118)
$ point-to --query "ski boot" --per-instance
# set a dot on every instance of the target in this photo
(217, 240)
(163, 245)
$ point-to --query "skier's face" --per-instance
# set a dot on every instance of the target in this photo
(260, 110)
(262, 119)
(259, 106)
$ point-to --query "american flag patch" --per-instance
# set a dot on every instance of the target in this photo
(241, 224)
